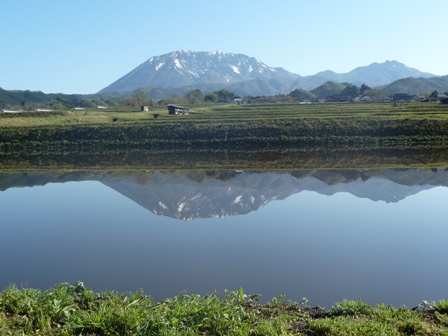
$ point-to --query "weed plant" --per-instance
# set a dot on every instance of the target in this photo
(76, 310)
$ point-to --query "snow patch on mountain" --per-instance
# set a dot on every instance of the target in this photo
(234, 68)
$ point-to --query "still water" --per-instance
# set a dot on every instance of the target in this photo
(379, 235)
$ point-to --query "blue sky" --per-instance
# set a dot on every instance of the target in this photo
(84, 45)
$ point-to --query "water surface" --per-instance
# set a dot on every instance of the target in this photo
(378, 234)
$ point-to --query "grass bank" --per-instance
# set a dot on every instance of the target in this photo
(231, 126)
(76, 310)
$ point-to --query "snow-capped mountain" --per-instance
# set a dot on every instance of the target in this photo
(187, 68)
(181, 71)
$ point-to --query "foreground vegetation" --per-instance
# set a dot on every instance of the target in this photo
(76, 310)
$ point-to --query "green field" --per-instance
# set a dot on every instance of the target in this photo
(230, 126)
(227, 112)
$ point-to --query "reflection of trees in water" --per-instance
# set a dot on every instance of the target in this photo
(218, 159)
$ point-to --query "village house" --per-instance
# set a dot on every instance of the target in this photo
(402, 96)
(442, 96)
(362, 98)
(338, 98)
(177, 109)
(144, 108)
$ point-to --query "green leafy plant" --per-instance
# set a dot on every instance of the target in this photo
(441, 306)
(351, 308)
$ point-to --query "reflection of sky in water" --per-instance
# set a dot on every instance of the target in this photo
(326, 248)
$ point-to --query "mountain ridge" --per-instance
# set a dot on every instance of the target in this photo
(184, 69)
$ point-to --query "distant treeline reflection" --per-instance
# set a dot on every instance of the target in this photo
(263, 158)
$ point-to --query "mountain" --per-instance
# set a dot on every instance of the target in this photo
(184, 70)
(375, 74)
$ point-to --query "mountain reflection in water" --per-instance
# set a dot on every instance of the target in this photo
(190, 195)
(381, 236)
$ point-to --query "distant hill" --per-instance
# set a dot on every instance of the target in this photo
(17, 97)
(375, 74)
(328, 89)
(416, 86)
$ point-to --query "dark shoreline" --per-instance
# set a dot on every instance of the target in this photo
(277, 157)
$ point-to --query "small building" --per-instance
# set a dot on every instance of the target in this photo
(441, 96)
(177, 109)
(144, 108)
(366, 98)
(402, 96)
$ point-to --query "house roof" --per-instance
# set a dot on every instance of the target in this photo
(177, 106)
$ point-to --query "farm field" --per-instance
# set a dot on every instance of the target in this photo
(227, 112)
(231, 125)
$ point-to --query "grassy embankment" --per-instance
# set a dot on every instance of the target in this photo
(276, 136)
(245, 126)
(76, 310)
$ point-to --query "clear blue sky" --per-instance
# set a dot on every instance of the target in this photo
(84, 45)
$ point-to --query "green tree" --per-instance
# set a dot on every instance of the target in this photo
(25, 104)
(174, 99)
(141, 98)
(364, 88)
(225, 95)
(328, 89)
(195, 97)
(434, 94)
(301, 94)
(211, 97)
(350, 90)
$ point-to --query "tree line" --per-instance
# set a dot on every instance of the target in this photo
(28, 100)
